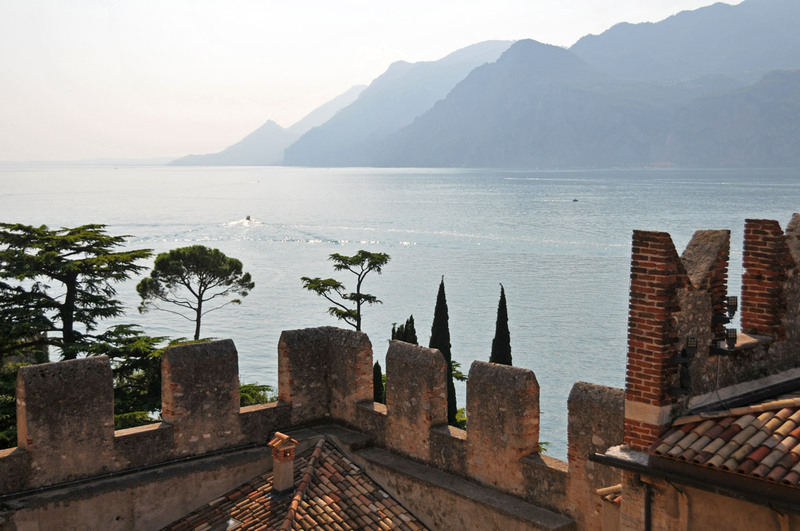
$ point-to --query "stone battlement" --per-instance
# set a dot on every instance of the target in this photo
(65, 410)
(66, 433)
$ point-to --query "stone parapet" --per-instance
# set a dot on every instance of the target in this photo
(200, 395)
(416, 398)
(502, 423)
(596, 421)
(324, 373)
(65, 418)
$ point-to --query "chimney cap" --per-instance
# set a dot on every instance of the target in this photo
(281, 441)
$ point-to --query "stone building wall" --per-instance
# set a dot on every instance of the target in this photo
(325, 376)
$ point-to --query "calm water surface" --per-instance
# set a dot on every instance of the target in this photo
(558, 241)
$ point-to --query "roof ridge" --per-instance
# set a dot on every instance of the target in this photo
(737, 411)
(301, 487)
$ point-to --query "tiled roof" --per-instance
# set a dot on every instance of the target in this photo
(761, 441)
(332, 493)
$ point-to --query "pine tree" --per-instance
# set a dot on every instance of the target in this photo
(501, 344)
(56, 286)
(360, 264)
(405, 332)
(440, 339)
(190, 277)
(378, 391)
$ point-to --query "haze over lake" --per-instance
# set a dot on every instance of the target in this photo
(559, 241)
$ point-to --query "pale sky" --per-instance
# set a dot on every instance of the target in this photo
(163, 78)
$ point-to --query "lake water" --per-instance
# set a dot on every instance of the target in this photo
(559, 241)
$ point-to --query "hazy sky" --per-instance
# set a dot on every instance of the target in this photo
(153, 78)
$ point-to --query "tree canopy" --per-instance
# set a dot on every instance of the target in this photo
(360, 264)
(501, 344)
(189, 278)
(56, 285)
(405, 332)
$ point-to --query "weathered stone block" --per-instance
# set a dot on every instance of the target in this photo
(200, 395)
(502, 423)
(449, 449)
(65, 418)
(596, 423)
(324, 372)
(416, 397)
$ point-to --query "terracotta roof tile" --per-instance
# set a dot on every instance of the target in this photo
(332, 493)
(761, 441)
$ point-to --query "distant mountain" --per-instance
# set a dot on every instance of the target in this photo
(392, 101)
(689, 90)
(758, 126)
(265, 145)
(744, 41)
(325, 112)
(262, 147)
(537, 106)
(635, 95)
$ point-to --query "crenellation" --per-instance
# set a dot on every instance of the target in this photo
(414, 405)
(65, 410)
(372, 421)
(324, 372)
(503, 423)
(259, 421)
(596, 423)
(65, 418)
(200, 395)
(449, 449)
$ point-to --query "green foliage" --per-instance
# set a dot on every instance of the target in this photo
(405, 332)
(542, 447)
(457, 374)
(251, 394)
(57, 285)
(440, 339)
(136, 362)
(378, 388)
(190, 277)
(501, 344)
(461, 418)
(8, 405)
(360, 264)
(131, 420)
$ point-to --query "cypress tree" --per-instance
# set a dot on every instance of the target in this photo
(440, 339)
(501, 344)
(405, 332)
(378, 391)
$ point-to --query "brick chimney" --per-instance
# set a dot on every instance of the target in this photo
(282, 463)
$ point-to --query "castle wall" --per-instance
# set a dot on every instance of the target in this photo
(200, 396)
(66, 418)
(415, 405)
(65, 410)
(596, 423)
(150, 499)
(677, 506)
(502, 425)
(324, 373)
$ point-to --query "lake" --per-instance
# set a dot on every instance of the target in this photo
(558, 241)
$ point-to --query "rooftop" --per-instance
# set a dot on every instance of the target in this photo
(332, 493)
(760, 441)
